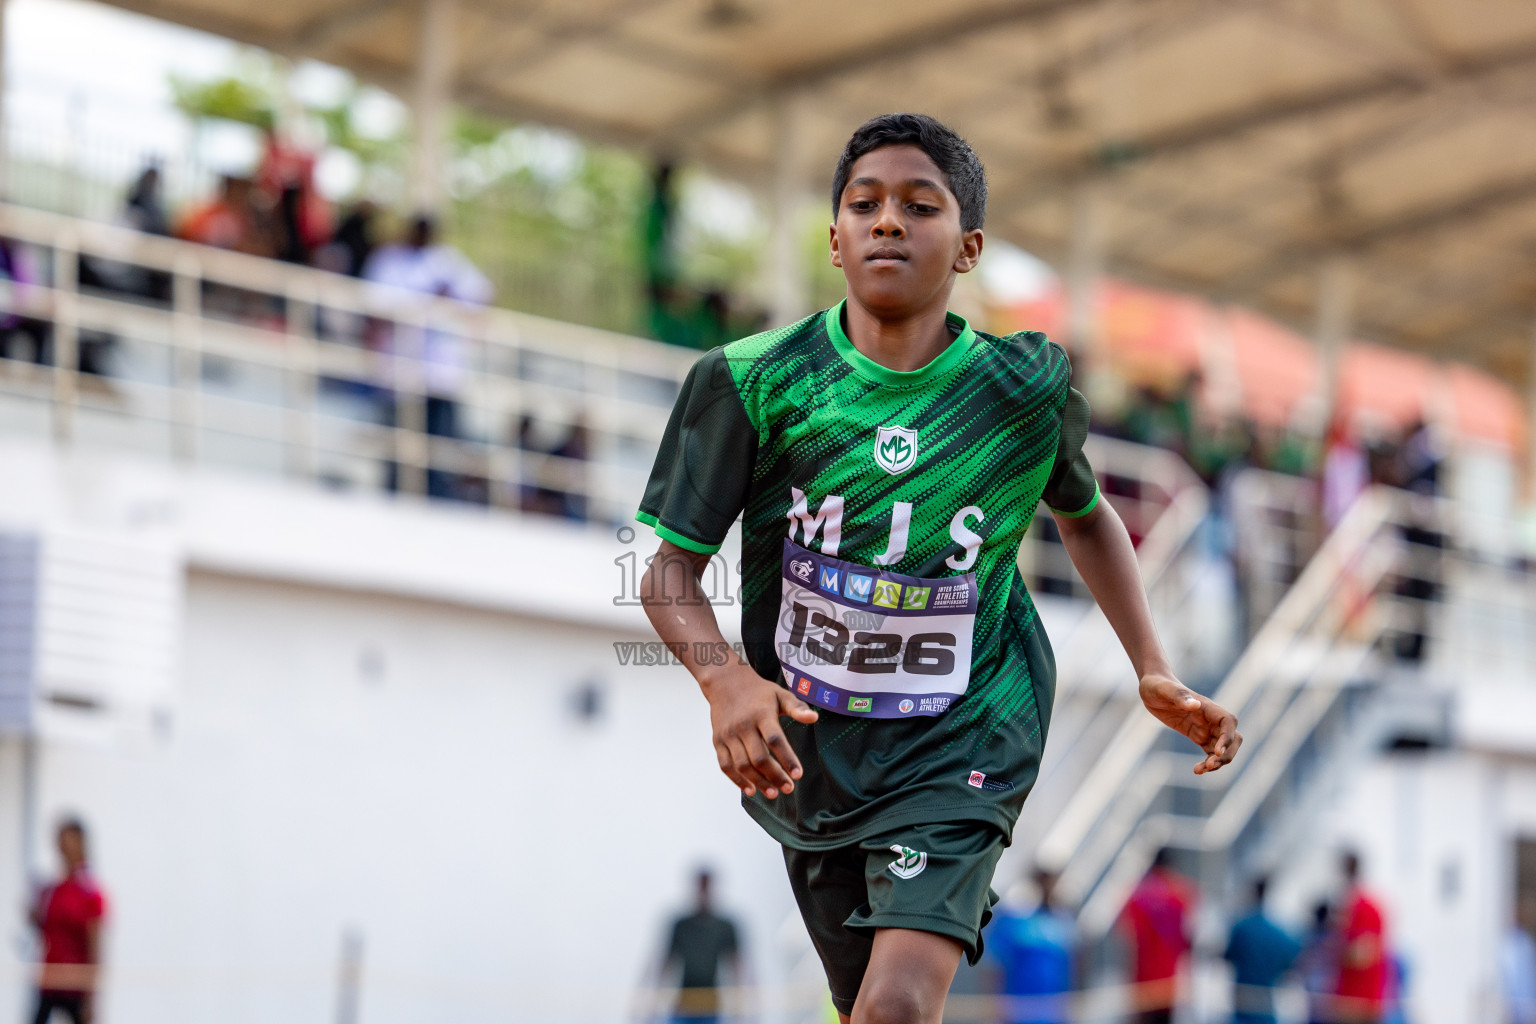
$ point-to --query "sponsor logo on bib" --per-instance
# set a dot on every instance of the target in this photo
(858, 587)
(887, 593)
(906, 706)
(895, 449)
(804, 687)
(803, 568)
(828, 579)
(909, 863)
(861, 703)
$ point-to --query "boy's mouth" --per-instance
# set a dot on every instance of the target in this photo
(886, 254)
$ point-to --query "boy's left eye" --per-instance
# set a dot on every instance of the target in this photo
(924, 208)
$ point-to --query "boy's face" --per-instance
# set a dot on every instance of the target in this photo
(897, 236)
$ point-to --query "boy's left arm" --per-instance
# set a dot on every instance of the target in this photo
(1102, 552)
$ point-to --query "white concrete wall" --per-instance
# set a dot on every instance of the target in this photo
(500, 856)
(373, 728)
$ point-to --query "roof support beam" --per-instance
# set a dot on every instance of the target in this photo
(431, 102)
(1224, 127)
(316, 35)
(1335, 324)
(1085, 270)
(788, 298)
(1422, 221)
(953, 29)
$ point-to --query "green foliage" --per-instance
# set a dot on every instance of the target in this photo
(231, 99)
(556, 224)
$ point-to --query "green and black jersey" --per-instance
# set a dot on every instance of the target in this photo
(882, 512)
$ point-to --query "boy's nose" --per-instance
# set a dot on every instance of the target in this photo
(885, 228)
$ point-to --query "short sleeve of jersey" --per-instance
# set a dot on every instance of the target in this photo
(703, 469)
(1071, 490)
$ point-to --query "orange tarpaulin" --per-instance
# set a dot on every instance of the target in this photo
(1154, 338)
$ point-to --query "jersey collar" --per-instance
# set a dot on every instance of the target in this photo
(871, 370)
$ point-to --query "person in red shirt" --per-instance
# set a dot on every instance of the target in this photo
(1155, 920)
(1360, 994)
(68, 916)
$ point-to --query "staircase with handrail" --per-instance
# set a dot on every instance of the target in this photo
(1353, 658)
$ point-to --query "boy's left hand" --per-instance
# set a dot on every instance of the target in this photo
(1212, 727)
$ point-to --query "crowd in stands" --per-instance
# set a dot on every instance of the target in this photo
(1344, 460)
(277, 213)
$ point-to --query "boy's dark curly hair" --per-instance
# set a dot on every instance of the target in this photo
(952, 154)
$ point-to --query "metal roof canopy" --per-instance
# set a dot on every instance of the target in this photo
(1231, 147)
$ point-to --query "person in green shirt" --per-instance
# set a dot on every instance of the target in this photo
(885, 459)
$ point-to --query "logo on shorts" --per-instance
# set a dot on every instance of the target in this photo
(804, 687)
(803, 568)
(895, 449)
(909, 863)
(906, 706)
(978, 779)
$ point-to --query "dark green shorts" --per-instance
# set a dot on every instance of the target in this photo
(930, 878)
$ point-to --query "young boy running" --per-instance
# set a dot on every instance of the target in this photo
(886, 460)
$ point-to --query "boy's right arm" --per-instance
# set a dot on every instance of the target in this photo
(744, 708)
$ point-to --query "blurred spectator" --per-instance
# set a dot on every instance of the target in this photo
(1517, 965)
(1419, 459)
(1261, 953)
(1156, 920)
(68, 916)
(286, 180)
(700, 943)
(230, 220)
(420, 264)
(1395, 1010)
(1319, 966)
(659, 252)
(144, 208)
(1362, 984)
(542, 490)
(17, 275)
(1346, 472)
(1035, 951)
(354, 241)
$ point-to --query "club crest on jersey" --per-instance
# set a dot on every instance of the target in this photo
(895, 449)
(909, 863)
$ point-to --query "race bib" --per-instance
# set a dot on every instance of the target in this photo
(870, 642)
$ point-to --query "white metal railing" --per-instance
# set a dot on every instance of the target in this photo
(1096, 689)
(235, 360)
(320, 376)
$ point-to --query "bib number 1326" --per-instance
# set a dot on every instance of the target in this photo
(921, 654)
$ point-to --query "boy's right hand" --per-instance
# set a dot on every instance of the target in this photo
(744, 710)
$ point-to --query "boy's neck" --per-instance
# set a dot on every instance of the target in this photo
(908, 343)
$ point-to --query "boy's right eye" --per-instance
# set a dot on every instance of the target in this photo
(863, 205)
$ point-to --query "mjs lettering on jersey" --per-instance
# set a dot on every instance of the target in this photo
(867, 641)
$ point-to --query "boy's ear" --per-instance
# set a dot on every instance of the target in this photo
(970, 251)
(837, 256)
